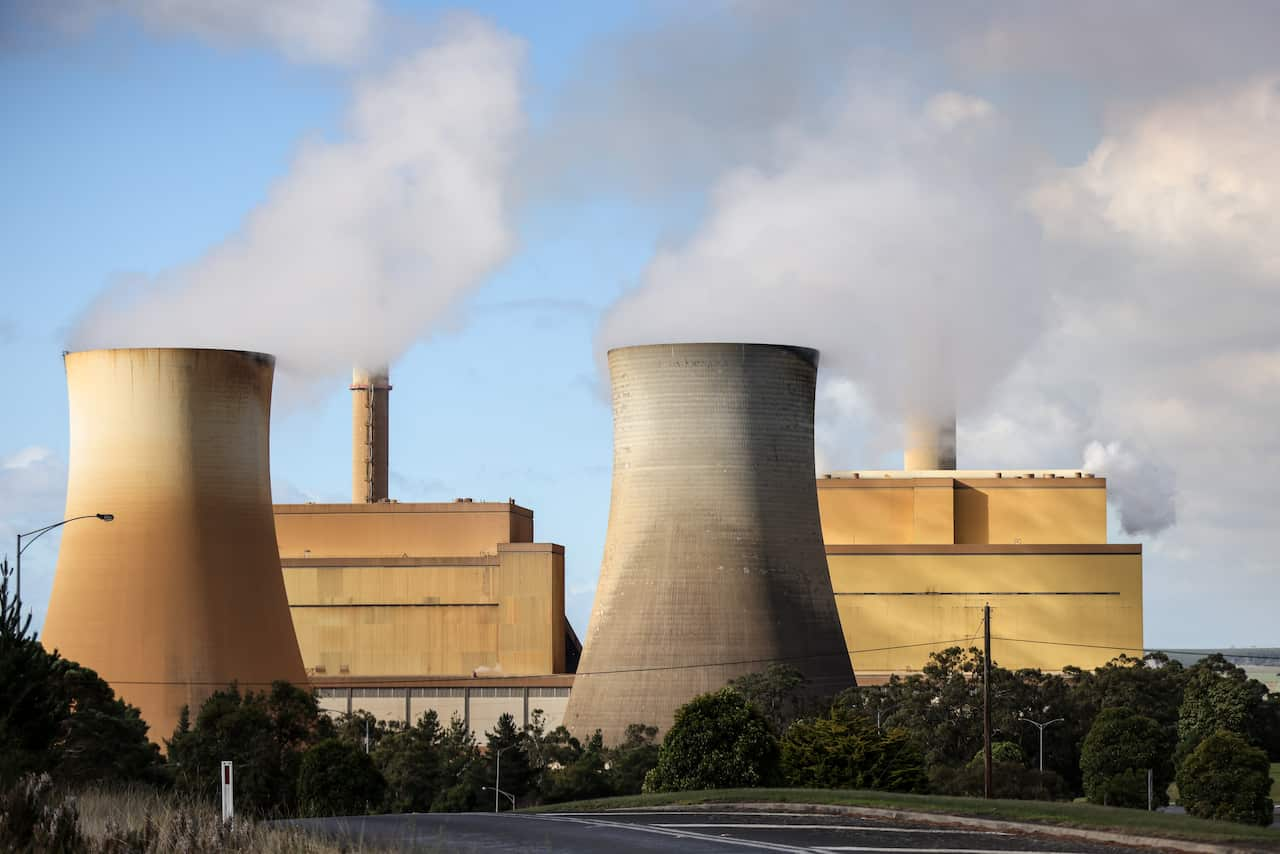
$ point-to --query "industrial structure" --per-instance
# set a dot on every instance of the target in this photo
(182, 593)
(713, 564)
(914, 556)
(401, 607)
(721, 556)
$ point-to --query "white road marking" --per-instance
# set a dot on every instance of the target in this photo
(882, 849)
(868, 827)
(678, 834)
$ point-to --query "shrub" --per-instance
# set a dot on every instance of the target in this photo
(338, 778)
(33, 817)
(631, 760)
(1227, 778)
(843, 750)
(718, 740)
(1011, 780)
(1120, 747)
(264, 734)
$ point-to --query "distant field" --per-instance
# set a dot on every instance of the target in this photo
(1261, 663)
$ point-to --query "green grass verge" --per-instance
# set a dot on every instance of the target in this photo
(1093, 817)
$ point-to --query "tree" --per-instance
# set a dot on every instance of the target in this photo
(718, 740)
(843, 750)
(462, 772)
(61, 718)
(632, 759)
(336, 777)
(1220, 696)
(583, 778)
(516, 775)
(263, 733)
(1227, 778)
(778, 692)
(1120, 747)
(411, 762)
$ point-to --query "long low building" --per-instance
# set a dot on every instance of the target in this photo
(915, 556)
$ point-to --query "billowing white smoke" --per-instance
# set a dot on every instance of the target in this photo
(891, 239)
(366, 241)
(1141, 491)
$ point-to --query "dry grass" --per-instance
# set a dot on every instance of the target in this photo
(144, 821)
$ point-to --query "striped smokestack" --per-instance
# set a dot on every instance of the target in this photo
(370, 398)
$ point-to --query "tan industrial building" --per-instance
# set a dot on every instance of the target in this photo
(400, 607)
(914, 556)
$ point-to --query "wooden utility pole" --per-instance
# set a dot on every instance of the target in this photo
(986, 701)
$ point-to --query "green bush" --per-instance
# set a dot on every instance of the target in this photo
(264, 734)
(339, 778)
(718, 740)
(1227, 778)
(843, 750)
(1011, 780)
(1120, 747)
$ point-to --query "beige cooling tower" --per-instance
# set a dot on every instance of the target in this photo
(182, 593)
(714, 564)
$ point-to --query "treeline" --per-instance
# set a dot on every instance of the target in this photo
(1208, 727)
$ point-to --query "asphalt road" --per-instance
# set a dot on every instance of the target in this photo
(669, 831)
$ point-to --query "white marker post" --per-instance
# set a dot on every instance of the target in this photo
(228, 803)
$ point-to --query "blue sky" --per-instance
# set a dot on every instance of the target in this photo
(1031, 181)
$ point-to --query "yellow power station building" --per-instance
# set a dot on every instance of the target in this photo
(401, 607)
(915, 555)
(404, 607)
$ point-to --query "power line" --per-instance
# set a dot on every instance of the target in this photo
(400, 680)
(487, 681)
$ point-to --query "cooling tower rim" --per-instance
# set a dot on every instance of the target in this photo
(809, 354)
(253, 355)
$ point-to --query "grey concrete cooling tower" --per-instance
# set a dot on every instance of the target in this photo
(714, 564)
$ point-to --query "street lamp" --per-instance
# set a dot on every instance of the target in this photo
(497, 779)
(880, 710)
(496, 791)
(40, 532)
(1042, 727)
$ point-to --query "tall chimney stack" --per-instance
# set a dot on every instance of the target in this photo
(370, 397)
(930, 442)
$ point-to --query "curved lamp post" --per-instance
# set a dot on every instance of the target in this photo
(1042, 727)
(497, 779)
(496, 791)
(40, 532)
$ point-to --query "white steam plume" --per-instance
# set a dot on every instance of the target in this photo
(1141, 491)
(366, 241)
(892, 240)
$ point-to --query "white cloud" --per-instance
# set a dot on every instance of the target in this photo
(315, 31)
(1190, 177)
(367, 241)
